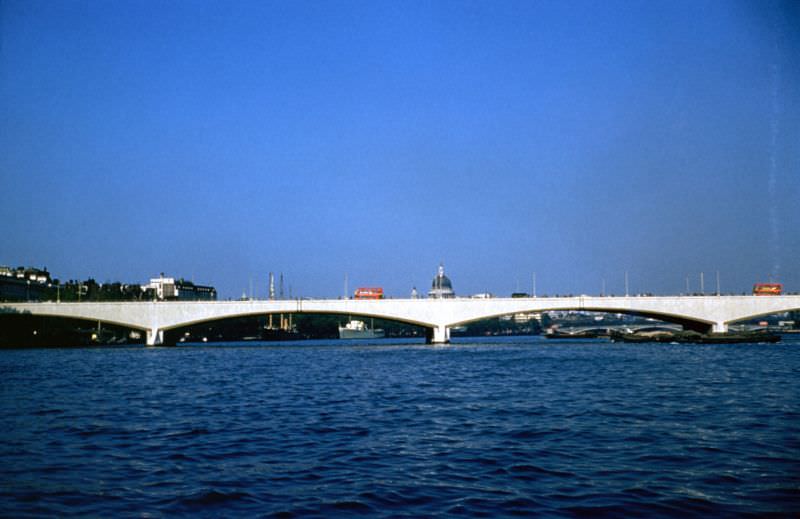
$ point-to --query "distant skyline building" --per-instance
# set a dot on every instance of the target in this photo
(441, 287)
(24, 283)
(164, 288)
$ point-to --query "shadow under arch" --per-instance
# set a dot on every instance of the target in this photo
(764, 315)
(51, 312)
(686, 323)
(250, 325)
(23, 329)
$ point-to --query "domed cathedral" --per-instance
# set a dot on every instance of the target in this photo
(441, 287)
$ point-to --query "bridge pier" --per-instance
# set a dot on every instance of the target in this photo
(720, 327)
(438, 335)
(155, 337)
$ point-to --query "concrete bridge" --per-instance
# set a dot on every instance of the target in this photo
(701, 313)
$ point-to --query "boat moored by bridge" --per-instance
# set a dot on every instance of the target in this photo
(565, 333)
(356, 329)
(690, 337)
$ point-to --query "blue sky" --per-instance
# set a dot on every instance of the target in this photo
(220, 141)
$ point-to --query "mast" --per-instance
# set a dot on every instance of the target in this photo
(271, 286)
(283, 322)
(271, 294)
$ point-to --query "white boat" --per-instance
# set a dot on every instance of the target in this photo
(359, 330)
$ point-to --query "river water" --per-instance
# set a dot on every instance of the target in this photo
(481, 428)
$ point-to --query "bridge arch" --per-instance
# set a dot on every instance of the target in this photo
(762, 314)
(253, 313)
(48, 329)
(81, 317)
(688, 323)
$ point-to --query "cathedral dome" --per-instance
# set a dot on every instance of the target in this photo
(441, 285)
(442, 282)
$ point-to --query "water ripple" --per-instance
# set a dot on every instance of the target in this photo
(510, 427)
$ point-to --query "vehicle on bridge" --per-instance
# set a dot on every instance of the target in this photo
(369, 293)
(767, 289)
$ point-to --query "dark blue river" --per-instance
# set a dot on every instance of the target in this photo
(520, 426)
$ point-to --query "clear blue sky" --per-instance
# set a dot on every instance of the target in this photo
(223, 140)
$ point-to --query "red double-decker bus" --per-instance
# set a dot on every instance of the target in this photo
(369, 293)
(767, 289)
